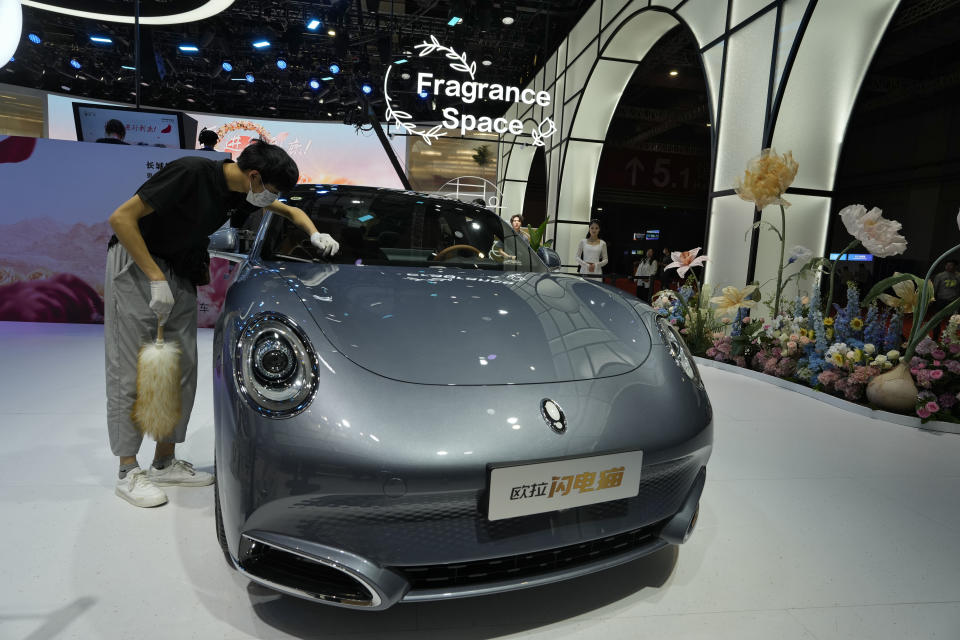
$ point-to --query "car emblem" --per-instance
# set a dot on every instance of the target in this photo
(553, 415)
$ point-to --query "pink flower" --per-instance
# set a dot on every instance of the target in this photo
(746, 320)
(932, 407)
(939, 354)
(936, 374)
(923, 412)
(792, 345)
(685, 260)
(955, 348)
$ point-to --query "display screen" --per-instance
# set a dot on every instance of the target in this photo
(853, 257)
(653, 234)
(151, 128)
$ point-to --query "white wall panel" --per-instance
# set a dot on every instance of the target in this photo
(670, 4)
(578, 73)
(576, 186)
(610, 27)
(790, 18)
(584, 31)
(513, 195)
(730, 219)
(637, 37)
(743, 9)
(744, 99)
(612, 7)
(806, 225)
(706, 18)
(601, 98)
(841, 38)
(713, 64)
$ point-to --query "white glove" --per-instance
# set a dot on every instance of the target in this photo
(161, 299)
(325, 243)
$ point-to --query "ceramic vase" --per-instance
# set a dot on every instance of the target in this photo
(893, 390)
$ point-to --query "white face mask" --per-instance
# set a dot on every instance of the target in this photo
(263, 199)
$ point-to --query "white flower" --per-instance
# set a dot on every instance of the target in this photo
(893, 355)
(878, 235)
(869, 349)
(799, 254)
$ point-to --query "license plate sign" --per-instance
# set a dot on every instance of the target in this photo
(522, 490)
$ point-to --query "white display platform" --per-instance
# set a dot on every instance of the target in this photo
(815, 524)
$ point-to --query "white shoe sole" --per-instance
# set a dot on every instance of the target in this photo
(184, 483)
(135, 503)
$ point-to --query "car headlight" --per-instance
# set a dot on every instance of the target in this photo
(276, 369)
(679, 350)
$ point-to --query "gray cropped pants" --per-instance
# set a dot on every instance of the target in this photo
(127, 324)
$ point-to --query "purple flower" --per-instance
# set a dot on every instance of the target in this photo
(953, 366)
(939, 354)
(955, 348)
(947, 400)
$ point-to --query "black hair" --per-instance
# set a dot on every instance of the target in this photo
(116, 127)
(275, 166)
(208, 138)
(516, 215)
(593, 222)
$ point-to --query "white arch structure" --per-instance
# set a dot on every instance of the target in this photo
(782, 73)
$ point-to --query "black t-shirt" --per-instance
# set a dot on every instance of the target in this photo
(190, 200)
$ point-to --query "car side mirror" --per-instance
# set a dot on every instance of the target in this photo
(224, 240)
(550, 257)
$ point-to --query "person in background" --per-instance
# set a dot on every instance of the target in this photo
(946, 287)
(115, 131)
(208, 140)
(663, 277)
(516, 221)
(155, 261)
(644, 274)
(592, 252)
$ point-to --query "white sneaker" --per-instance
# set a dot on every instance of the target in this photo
(137, 489)
(179, 473)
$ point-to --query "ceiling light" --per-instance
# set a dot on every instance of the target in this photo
(424, 94)
(314, 84)
(272, 108)
(75, 63)
(227, 66)
(128, 67)
(313, 24)
(367, 88)
(191, 100)
(405, 76)
(709, 125)
(34, 38)
(454, 21)
(249, 77)
(334, 68)
(65, 87)
(261, 44)
(331, 32)
(401, 61)
(674, 73)
(281, 64)
(205, 9)
(189, 48)
(101, 39)
(507, 20)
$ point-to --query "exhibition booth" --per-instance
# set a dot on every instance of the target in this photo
(645, 307)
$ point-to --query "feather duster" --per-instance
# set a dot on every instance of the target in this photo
(156, 411)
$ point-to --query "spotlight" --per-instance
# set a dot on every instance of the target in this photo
(405, 76)
(34, 38)
(486, 60)
(314, 24)
(227, 66)
(334, 68)
(331, 32)
(281, 64)
(249, 77)
(367, 88)
(101, 39)
(674, 73)
(314, 84)
(508, 20)
(261, 44)
(75, 63)
(188, 48)
(424, 94)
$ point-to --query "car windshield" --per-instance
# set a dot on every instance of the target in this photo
(403, 229)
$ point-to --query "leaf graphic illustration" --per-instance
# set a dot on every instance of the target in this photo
(403, 115)
(435, 41)
(460, 67)
(473, 69)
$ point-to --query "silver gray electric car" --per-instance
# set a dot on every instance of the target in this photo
(433, 413)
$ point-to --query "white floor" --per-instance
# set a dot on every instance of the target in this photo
(815, 524)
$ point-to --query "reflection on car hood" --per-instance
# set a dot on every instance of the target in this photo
(470, 327)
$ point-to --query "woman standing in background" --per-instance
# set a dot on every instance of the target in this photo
(592, 252)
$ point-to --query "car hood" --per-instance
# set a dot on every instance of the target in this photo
(448, 326)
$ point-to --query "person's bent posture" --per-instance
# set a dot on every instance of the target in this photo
(155, 261)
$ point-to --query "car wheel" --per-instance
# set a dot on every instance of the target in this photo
(218, 516)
